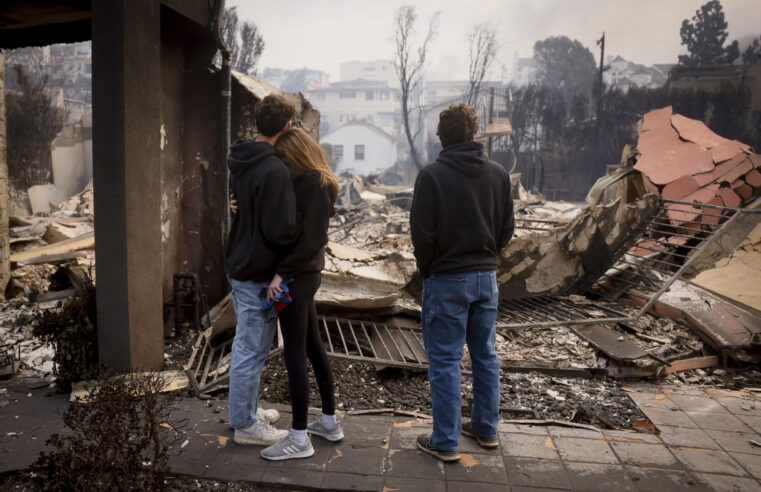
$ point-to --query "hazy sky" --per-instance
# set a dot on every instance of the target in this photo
(320, 34)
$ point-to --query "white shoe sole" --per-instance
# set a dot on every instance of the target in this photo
(301, 454)
(327, 437)
(250, 441)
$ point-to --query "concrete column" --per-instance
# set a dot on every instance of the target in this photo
(127, 177)
(5, 247)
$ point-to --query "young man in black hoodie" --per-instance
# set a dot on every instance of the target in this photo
(265, 222)
(462, 216)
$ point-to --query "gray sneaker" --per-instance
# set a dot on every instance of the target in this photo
(332, 434)
(288, 448)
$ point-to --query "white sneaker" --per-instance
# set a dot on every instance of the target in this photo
(269, 414)
(260, 433)
(288, 448)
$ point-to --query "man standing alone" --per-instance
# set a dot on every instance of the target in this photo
(462, 216)
(264, 223)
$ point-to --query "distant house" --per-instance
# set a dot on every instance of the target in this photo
(623, 74)
(373, 101)
(361, 148)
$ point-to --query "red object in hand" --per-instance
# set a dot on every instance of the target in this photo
(281, 303)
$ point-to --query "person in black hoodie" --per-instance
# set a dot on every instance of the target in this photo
(264, 224)
(316, 190)
(461, 217)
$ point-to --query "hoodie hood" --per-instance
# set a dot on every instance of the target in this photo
(244, 154)
(467, 158)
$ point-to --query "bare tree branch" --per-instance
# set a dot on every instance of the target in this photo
(409, 68)
(482, 40)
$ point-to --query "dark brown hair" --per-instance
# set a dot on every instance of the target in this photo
(302, 154)
(457, 124)
(272, 114)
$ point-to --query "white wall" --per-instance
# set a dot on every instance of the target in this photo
(336, 111)
(380, 151)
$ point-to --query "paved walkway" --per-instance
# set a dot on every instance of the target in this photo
(706, 443)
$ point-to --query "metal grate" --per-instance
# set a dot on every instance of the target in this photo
(368, 341)
(518, 312)
(209, 364)
(655, 255)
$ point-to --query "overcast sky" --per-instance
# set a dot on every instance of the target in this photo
(320, 34)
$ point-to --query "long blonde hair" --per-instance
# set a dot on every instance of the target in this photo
(302, 154)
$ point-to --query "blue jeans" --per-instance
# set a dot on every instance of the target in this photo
(457, 308)
(252, 343)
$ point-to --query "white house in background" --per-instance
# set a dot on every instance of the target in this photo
(361, 148)
(624, 74)
(370, 100)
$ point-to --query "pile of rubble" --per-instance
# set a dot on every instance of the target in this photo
(614, 289)
(44, 247)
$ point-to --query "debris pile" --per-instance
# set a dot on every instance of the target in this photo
(737, 275)
(683, 160)
(550, 262)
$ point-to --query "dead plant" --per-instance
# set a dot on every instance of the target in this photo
(119, 438)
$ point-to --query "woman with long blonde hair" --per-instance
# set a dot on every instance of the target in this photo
(316, 190)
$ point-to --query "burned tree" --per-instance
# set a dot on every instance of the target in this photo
(33, 121)
(482, 41)
(564, 64)
(245, 41)
(409, 69)
(705, 36)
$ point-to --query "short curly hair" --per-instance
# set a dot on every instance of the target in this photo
(272, 114)
(457, 124)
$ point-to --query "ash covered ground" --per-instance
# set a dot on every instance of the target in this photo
(360, 387)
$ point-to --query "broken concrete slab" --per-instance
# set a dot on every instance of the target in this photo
(57, 232)
(696, 131)
(550, 262)
(609, 342)
(738, 276)
(43, 198)
(728, 326)
(685, 161)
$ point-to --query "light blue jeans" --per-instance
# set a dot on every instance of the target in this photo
(252, 343)
(457, 308)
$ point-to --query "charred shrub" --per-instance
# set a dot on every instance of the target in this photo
(119, 437)
(73, 332)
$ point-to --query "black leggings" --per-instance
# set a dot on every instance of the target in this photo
(301, 339)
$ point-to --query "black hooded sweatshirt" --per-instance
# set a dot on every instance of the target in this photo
(462, 212)
(315, 204)
(266, 224)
